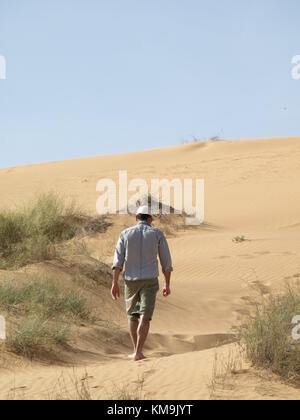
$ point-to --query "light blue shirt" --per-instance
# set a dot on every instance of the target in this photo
(138, 248)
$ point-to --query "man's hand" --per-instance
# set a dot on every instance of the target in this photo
(115, 291)
(166, 291)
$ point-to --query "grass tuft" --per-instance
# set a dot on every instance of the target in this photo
(43, 297)
(41, 314)
(36, 336)
(267, 336)
(30, 234)
(239, 239)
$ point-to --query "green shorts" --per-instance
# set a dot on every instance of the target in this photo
(140, 298)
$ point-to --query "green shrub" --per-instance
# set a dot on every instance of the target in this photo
(239, 239)
(267, 335)
(40, 315)
(35, 336)
(30, 234)
(43, 297)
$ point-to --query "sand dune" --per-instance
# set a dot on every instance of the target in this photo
(252, 189)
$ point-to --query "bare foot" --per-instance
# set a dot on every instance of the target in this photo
(138, 357)
(131, 356)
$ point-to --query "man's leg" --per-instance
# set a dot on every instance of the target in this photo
(142, 334)
(147, 304)
(132, 308)
(133, 326)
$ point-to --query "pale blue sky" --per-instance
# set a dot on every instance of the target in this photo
(92, 77)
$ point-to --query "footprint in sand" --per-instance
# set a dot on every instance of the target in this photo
(148, 373)
(249, 300)
(19, 388)
(243, 311)
(295, 276)
(262, 288)
(222, 257)
(246, 256)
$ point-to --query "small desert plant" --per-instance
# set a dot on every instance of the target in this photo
(43, 296)
(224, 368)
(72, 388)
(78, 389)
(29, 234)
(239, 239)
(161, 210)
(40, 315)
(127, 392)
(35, 336)
(82, 388)
(97, 272)
(267, 336)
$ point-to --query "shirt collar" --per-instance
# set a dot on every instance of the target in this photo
(143, 222)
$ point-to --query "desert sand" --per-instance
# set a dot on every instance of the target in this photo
(251, 189)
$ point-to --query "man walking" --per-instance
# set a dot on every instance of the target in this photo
(138, 248)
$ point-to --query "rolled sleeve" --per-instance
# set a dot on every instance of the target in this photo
(119, 257)
(165, 255)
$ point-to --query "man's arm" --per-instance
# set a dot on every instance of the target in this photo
(115, 290)
(166, 289)
(166, 263)
(118, 264)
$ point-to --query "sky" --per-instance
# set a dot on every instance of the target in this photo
(95, 77)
